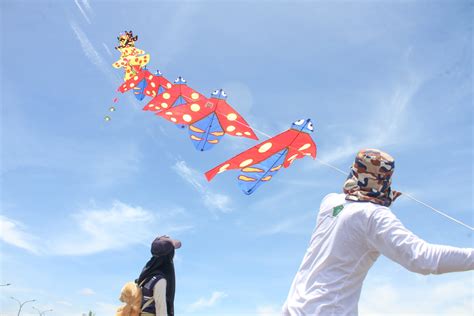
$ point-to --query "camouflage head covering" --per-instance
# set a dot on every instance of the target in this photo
(370, 178)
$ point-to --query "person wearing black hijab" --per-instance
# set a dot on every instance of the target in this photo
(157, 278)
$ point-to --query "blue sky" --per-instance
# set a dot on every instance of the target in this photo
(81, 198)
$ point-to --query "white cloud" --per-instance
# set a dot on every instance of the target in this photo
(268, 310)
(103, 229)
(86, 292)
(207, 302)
(95, 230)
(14, 233)
(442, 298)
(196, 179)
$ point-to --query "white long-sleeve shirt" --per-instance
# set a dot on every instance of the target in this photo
(159, 295)
(348, 238)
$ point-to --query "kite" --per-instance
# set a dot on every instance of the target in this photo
(208, 120)
(260, 163)
(145, 83)
(132, 59)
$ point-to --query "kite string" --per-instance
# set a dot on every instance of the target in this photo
(438, 211)
(346, 174)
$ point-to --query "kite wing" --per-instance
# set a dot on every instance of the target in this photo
(178, 94)
(260, 163)
(145, 83)
(232, 122)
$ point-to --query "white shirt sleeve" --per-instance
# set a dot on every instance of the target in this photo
(388, 236)
(159, 295)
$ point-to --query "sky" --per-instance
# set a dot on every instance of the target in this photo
(82, 198)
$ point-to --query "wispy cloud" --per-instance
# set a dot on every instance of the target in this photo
(87, 292)
(387, 123)
(16, 234)
(207, 302)
(291, 225)
(91, 52)
(196, 180)
(79, 5)
(107, 49)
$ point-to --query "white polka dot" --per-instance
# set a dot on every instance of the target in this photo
(232, 116)
(132, 85)
(247, 133)
(135, 78)
(153, 84)
(187, 118)
(150, 77)
(238, 134)
(166, 96)
(265, 147)
(124, 86)
(305, 146)
(164, 105)
(169, 113)
(168, 85)
(245, 163)
(195, 107)
(174, 120)
(224, 168)
(230, 128)
(194, 96)
(148, 92)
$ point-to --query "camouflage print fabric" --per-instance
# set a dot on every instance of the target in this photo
(371, 177)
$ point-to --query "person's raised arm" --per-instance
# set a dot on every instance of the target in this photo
(387, 235)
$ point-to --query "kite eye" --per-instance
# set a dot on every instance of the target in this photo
(310, 126)
(224, 94)
(177, 80)
(215, 92)
(299, 122)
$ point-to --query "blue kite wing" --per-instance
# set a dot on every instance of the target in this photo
(139, 90)
(179, 101)
(253, 176)
(206, 133)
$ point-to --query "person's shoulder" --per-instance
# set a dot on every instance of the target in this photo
(379, 213)
(332, 199)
